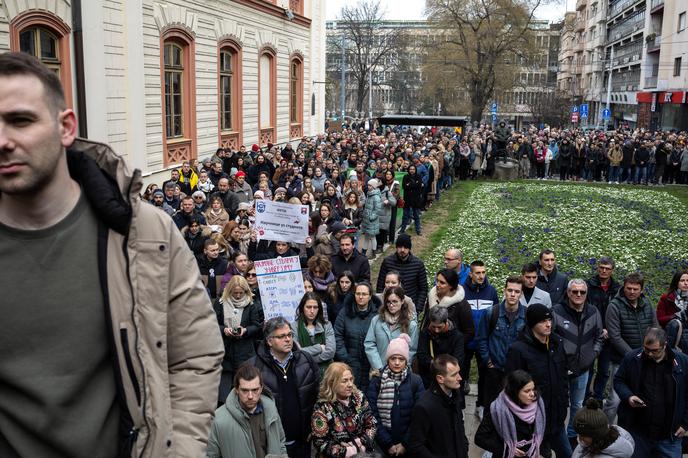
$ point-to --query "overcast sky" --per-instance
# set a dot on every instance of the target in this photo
(413, 9)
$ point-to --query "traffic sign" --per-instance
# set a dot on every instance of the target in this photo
(494, 107)
(494, 118)
(574, 117)
(606, 113)
(584, 110)
(574, 109)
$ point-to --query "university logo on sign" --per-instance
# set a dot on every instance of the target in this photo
(667, 97)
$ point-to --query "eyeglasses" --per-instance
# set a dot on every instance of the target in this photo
(288, 335)
(250, 275)
(579, 292)
(652, 351)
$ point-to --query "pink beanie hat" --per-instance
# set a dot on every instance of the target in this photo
(399, 346)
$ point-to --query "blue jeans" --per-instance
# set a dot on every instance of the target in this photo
(556, 442)
(602, 372)
(628, 174)
(640, 174)
(577, 386)
(406, 219)
(614, 172)
(667, 448)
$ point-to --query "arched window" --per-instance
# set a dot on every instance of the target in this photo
(295, 98)
(229, 95)
(267, 96)
(178, 96)
(46, 37)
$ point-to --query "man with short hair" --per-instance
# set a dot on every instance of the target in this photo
(216, 173)
(230, 200)
(481, 296)
(498, 329)
(579, 325)
(531, 293)
(174, 178)
(158, 201)
(601, 289)
(293, 377)
(110, 346)
(541, 354)
(212, 266)
(629, 315)
(453, 259)
(652, 382)
(170, 199)
(549, 278)
(437, 427)
(248, 424)
(183, 216)
(188, 178)
(440, 337)
(348, 258)
(414, 277)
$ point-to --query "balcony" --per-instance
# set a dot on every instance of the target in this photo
(654, 43)
(579, 25)
(581, 4)
(650, 82)
(621, 6)
(624, 29)
(656, 6)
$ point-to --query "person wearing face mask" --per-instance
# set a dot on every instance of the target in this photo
(514, 423)
(392, 395)
(651, 383)
(392, 320)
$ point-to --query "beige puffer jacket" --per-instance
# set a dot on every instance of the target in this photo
(164, 330)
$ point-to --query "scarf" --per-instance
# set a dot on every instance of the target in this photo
(233, 310)
(305, 338)
(392, 321)
(205, 187)
(681, 300)
(389, 381)
(503, 411)
(321, 284)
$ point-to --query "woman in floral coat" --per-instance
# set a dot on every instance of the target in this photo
(342, 424)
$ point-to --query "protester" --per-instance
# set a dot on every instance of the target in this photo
(597, 438)
(411, 270)
(312, 332)
(439, 337)
(338, 292)
(672, 311)
(447, 293)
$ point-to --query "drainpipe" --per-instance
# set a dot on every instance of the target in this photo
(77, 33)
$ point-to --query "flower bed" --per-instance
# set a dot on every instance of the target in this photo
(507, 224)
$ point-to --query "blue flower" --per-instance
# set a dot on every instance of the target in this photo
(504, 260)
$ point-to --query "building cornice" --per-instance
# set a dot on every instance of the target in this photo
(274, 10)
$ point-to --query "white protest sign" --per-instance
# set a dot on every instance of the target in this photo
(281, 222)
(281, 286)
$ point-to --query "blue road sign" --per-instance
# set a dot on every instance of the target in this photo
(494, 107)
(584, 110)
(606, 113)
(574, 109)
(494, 118)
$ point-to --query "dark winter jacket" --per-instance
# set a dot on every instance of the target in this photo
(581, 335)
(627, 325)
(357, 264)
(412, 186)
(627, 383)
(565, 154)
(547, 365)
(555, 284)
(431, 345)
(240, 349)
(414, 277)
(307, 374)
(437, 429)
(212, 271)
(628, 151)
(406, 396)
(458, 310)
(494, 341)
(481, 298)
(350, 331)
(487, 437)
(182, 219)
(599, 297)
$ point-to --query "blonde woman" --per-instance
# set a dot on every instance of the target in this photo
(342, 424)
(239, 318)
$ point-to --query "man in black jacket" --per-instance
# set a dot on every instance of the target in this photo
(348, 258)
(549, 278)
(230, 199)
(212, 267)
(440, 337)
(414, 277)
(437, 427)
(541, 354)
(601, 289)
(293, 378)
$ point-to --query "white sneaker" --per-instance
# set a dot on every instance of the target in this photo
(486, 455)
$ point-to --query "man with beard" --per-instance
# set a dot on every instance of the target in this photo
(212, 266)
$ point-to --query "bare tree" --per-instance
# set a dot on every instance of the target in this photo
(552, 108)
(488, 41)
(367, 45)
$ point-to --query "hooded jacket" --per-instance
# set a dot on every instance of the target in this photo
(350, 331)
(230, 435)
(622, 447)
(480, 298)
(457, 308)
(379, 336)
(166, 348)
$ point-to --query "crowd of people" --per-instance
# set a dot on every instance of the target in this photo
(130, 352)
(394, 359)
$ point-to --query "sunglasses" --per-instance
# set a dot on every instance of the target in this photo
(578, 292)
